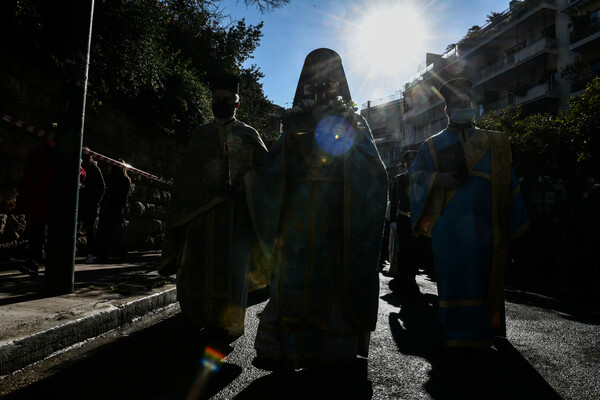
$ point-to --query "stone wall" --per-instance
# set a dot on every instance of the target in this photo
(31, 94)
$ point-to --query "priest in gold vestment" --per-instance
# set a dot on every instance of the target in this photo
(209, 237)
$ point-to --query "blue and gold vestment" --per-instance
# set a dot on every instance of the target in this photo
(470, 229)
(319, 206)
(208, 238)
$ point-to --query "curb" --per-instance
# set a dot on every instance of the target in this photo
(20, 353)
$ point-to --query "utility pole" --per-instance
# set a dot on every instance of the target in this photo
(62, 221)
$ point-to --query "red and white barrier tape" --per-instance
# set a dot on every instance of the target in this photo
(49, 138)
(108, 160)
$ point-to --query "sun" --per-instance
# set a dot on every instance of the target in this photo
(391, 37)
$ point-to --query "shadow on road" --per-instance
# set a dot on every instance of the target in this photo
(571, 308)
(167, 361)
(501, 373)
(316, 383)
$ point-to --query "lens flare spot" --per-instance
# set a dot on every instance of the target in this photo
(210, 364)
(212, 359)
(335, 135)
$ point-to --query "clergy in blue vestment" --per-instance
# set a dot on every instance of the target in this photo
(208, 236)
(464, 195)
(319, 207)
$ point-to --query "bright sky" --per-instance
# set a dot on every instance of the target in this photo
(382, 43)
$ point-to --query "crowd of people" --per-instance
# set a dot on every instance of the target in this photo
(314, 205)
(101, 207)
(307, 218)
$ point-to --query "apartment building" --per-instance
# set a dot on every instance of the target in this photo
(424, 107)
(584, 42)
(385, 120)
(517, 59)
(536, 54)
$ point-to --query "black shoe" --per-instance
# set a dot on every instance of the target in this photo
(30, 268)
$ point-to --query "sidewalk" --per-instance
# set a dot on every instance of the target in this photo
(105, 297)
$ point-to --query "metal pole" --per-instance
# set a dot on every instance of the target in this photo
(62, 222)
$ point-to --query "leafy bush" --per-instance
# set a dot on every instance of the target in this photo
(565, 146)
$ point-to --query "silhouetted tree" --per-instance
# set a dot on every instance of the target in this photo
(150, 57)
(493, 16)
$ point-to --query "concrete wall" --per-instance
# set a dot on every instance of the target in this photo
(31, 94)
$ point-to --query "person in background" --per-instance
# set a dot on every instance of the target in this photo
(384, 251)
(409, 251)
(112, 213)
(90, 195)
(34, 198)
(209, 236)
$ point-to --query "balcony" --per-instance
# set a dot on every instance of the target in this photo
(547, 89)
(411, 113)
(507, 20)
(384, 139)
(504, 22)
(497, 105)
(509, 62)
(574, 5)
(585, 35)
(383, 100)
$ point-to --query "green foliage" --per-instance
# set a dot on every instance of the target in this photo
(266, 5)
(583, 122)
(565, 146)
(534, 139)
(129, 52)
(151, 57)
(473, 30)
(572, 72)
(155, 55)
(493, 16)
(255, 109)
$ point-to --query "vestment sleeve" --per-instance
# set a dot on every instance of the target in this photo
(365, 201)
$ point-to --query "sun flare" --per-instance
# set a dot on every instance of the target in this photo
(391, 36)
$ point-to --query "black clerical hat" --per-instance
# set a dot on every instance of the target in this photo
(322, 78)
(455, 86)
(224, 81)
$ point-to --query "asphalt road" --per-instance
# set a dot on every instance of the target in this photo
(552, 352)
